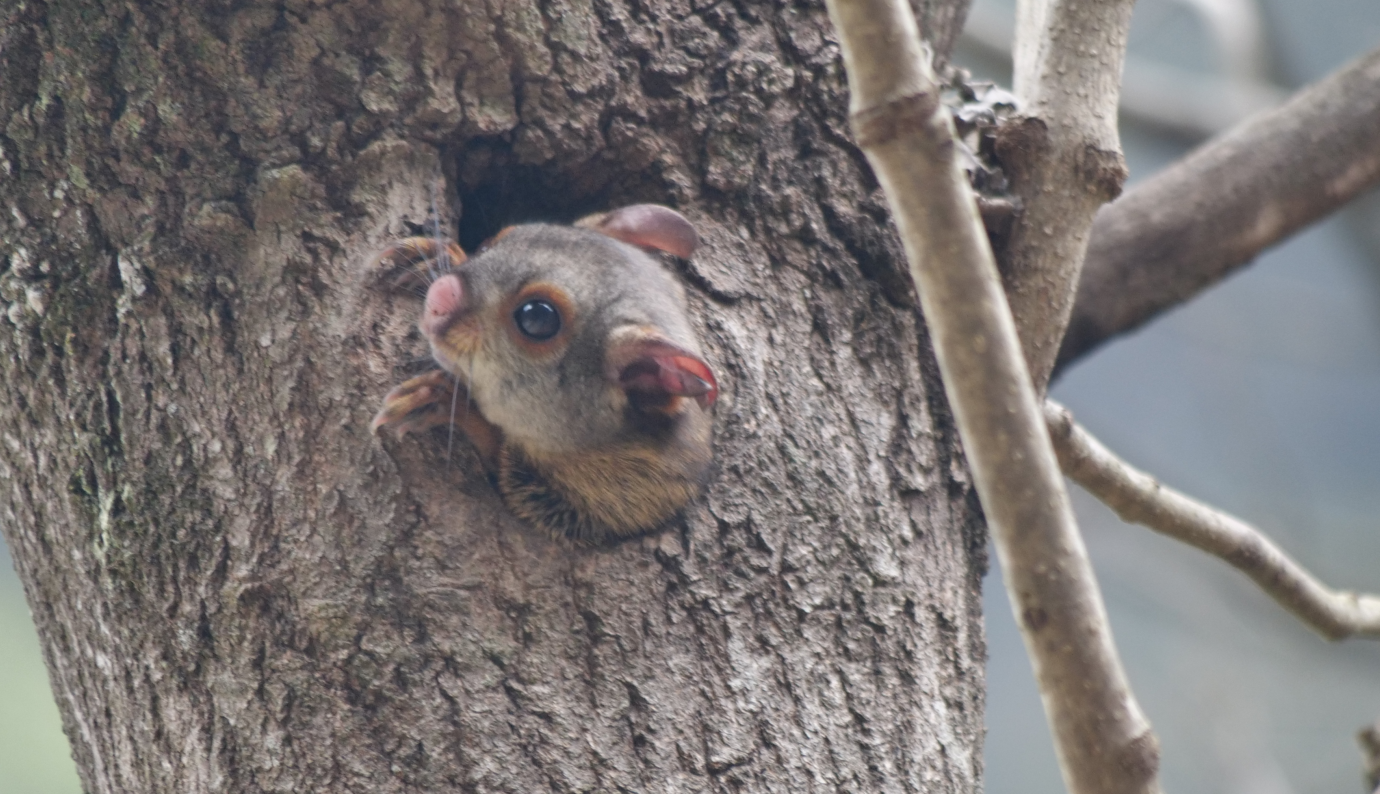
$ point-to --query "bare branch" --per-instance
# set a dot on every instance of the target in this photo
(1189, 226)
(1369, 739)
(1104, 742)
(1139, 498)
(1063, 157)
(1192, 103)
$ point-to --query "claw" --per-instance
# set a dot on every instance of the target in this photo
(415, 261)
(428, 401)
(417, 404)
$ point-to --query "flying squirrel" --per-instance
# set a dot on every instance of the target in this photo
(567, 359)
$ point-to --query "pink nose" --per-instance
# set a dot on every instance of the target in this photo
(444, 300)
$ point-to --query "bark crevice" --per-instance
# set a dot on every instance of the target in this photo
(239, 588)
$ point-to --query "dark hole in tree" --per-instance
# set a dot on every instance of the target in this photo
(520, 194)
(496, 192)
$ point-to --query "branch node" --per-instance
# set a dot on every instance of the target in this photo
(885, 122)
(1021, 142)
(1140, 757)
(1035, 618)
(1102, 170)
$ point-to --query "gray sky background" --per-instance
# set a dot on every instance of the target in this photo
(1262, 397)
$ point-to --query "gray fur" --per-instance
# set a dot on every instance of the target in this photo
(569, 403)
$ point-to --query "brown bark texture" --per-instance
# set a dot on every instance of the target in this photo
(238, 588)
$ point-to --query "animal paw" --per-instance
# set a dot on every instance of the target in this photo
(418, 404)
(415, 262)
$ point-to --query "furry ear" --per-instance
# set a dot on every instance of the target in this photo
(647, 226)
(652, 370)
(489, 243)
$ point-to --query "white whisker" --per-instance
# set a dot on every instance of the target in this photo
(450, 435)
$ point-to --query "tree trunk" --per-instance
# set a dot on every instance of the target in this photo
(238, 588)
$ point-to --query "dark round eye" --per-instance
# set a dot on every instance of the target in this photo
(538, 319)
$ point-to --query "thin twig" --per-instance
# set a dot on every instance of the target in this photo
(1063, 156)
(1141, 499)
(1104, 741)
(1192, 224)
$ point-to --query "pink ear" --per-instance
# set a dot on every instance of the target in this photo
(648, 226)
(655, 369)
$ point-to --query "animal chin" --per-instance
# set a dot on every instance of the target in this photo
(455, 346)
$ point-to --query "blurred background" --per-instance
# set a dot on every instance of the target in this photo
(1261, 397)
(34, 758)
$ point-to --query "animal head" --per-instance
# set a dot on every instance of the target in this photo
(571, 337)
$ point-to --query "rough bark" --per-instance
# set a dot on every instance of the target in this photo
(238, 589)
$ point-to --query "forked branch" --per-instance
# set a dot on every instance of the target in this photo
(1141, 499)
(1103, 740)
(1063, 155)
